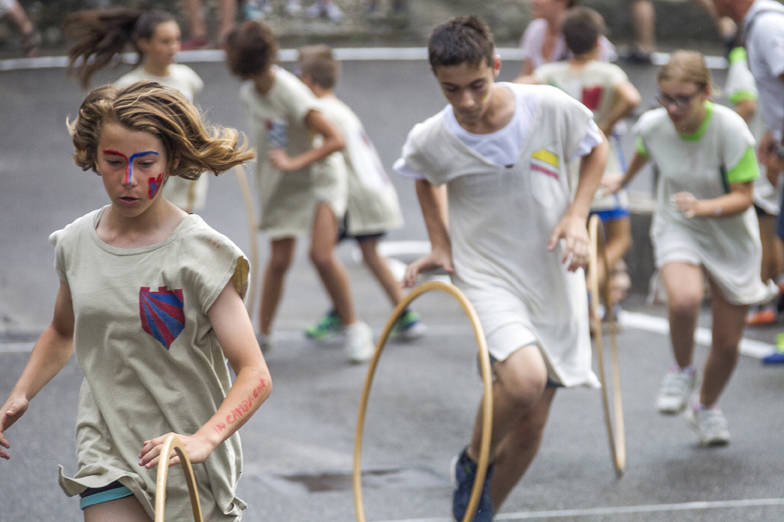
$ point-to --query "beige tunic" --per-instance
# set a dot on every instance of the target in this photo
(151, 360)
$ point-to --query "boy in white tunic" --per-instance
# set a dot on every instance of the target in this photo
(155, 36)
(703, 223)
(295, 199)
(373, 207)
(150, 299)
(516, 238)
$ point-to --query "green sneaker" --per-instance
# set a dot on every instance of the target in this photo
(408, 327)
(326, 328)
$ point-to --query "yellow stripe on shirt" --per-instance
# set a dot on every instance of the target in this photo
(548, 157)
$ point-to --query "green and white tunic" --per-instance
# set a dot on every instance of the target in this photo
(150, 357)
(705, 163)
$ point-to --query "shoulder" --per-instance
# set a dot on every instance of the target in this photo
(652, 120)
(182, 70)
(129, 78)
(546, 72)
(536, 28)
(607, 70)
(197, 235)
(728, 117)
(72, 232)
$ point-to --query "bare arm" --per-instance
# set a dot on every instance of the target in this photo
(627, 98)
(736, 201)
(50, 353)
(433, 202)
(250, 389)
(572, 227)
(318, 124)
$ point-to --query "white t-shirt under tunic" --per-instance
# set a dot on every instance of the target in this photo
(704, 163)
(189, 195)
(500, 218)
(151, 360)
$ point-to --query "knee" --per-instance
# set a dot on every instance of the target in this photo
(684, 303)
(320, 256)
(524, 391)
(279, 264)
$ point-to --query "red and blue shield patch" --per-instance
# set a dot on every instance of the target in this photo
(162, 313)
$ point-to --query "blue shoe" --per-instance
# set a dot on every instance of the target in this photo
(329, 326)
(463, 473)
(408, 327)
(777, 357)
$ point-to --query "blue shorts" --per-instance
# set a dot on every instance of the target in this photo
(93, 496)
(611, 214)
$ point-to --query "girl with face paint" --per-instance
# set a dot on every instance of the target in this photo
(151, 300)
(155, 37)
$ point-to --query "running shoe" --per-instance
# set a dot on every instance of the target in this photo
(710, 425)
(359, 342)
(463, 471)
(408, 327)
(777, 357)
(763, 317)
(327, 327)
(675, 390)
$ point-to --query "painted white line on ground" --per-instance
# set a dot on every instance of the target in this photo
(16, 347)
(624, 510)
(649, 323)
(290, 55)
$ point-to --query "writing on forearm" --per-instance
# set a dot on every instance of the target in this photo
(242, 409)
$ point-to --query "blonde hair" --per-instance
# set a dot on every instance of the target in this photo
(165, 113)
(686, 66)
(318, 62)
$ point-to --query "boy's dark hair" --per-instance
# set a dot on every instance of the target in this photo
(317, 62)
(465, 39)
(581, 27)
(251, 49)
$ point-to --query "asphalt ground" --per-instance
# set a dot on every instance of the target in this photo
(298, 447)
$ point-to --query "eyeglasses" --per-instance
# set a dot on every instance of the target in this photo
(681, 101)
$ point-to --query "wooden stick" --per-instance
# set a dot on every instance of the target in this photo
(487, 399)
(172, 443)
(247, 199)
(616, 435)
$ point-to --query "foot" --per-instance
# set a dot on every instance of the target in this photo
(463, 471)
(676, 387)
(199, 42)
(327, 328)
(359, 342)
(408, 327)
(30, 43)
(777, 357)
(763, 317)
(710, 425)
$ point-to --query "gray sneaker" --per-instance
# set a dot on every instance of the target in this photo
(710, 425)
(359, 342)
(675, 390)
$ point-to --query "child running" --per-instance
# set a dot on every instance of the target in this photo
(284, 116)
(373, 206)
(515, 240)
(150, 299)
(606, 90)
(703, 224)
(101, 35)
(542, 42)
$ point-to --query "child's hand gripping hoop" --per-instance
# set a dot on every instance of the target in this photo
(172, 443)
(487, 400)
(247, 199)
(613, 417)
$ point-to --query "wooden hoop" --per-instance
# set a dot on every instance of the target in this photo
(615, 430)
(487, 399)
(172, 443)
(247, 199)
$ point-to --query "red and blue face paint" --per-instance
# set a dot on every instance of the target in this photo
(154, 184)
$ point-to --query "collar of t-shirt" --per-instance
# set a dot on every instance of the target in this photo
(503, 146)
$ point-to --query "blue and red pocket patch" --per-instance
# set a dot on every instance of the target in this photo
(162, 313)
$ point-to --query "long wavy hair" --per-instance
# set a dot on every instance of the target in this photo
(100, 35)
(191, 147)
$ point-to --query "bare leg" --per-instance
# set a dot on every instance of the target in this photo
(125, 509)
(197, 28)
(520, 404)
(644, 22)
(281, 254)
(771, 248)
(331, 271)
(619, 239)
(380, 269)
(684, 285)
(727, 330)
(228, 16)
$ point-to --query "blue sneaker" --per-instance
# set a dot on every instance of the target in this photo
(777, 357)
(408, 327)
(463, 473)
(327, 328)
